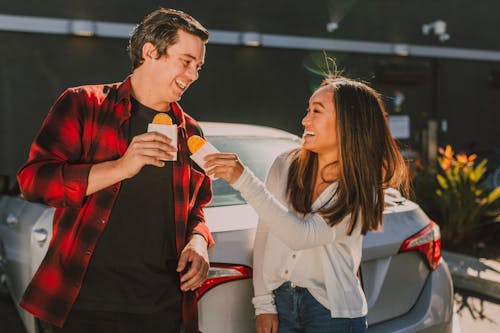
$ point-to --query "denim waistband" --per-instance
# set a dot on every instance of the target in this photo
(288, 285)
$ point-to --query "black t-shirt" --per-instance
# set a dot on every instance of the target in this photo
(133, 268)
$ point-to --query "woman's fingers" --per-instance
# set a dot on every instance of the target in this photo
(224, 165)
(227, 159)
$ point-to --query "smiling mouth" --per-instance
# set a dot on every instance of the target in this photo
(181, 84)
(308, 134)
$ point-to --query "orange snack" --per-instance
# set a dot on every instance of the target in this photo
(163, 119)
(195, 142)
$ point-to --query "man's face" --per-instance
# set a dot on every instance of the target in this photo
(172, 73)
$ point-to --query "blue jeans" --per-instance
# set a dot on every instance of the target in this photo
(300, 312)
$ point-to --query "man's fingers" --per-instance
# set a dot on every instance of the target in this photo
(143, 145)
(152, 136)
(151, 152)
(181, 265)
(196, 274)
(193, 282)
(190, 274)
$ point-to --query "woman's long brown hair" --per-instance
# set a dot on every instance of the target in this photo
(369, 160)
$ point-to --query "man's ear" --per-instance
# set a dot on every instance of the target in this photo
(149, 51)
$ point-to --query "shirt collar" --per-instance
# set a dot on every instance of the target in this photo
(123, 94)
(178, 114)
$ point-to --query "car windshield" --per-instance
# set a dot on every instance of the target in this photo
(256, 153)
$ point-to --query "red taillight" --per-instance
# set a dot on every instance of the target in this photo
(428, 242)
(221, 273)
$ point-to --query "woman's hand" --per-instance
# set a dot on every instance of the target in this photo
(266, 323)
(224, 165)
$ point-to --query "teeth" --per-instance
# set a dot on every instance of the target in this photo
(309, 133)
(181, 84)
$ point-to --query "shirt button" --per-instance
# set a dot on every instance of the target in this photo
(103, 220)
(286, 272)
(294, 256)
(88, 252)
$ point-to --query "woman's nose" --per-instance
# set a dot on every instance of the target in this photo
(305, 120)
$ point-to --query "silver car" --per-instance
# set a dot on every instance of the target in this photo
(407, 283)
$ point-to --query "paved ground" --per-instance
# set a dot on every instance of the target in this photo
(476, 314)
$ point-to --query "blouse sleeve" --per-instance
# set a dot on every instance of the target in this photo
(296, 232)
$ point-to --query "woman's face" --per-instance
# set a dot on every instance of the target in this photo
(320, 125)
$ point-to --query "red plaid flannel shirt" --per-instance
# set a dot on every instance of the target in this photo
(87, 125)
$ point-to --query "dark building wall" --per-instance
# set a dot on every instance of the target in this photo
(264, 85)
(471, 104)
(34, 70)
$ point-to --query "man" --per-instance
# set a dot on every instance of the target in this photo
(129, 243)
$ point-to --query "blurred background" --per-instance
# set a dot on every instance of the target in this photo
(437, 63)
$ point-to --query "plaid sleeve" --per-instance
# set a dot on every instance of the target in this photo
(52, 173)
(196, 217)
(202, 194)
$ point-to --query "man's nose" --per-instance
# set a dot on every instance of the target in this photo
(193, 74)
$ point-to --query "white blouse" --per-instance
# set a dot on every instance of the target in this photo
(302, 250)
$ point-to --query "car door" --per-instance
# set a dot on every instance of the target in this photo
(16, 224)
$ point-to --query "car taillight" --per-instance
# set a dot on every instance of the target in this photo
(221, 273)
(428, 242)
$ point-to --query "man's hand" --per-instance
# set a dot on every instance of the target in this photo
(194, 257)
(145, 149)
(148, 148)
(266, 323)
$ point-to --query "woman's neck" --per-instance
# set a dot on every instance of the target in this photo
(328, 172)
(328, 168)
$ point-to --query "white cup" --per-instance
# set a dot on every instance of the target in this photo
(200, 154)
(169, 131)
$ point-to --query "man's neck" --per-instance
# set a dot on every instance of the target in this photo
(144, 95)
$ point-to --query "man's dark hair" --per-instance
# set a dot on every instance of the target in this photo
(160, 29)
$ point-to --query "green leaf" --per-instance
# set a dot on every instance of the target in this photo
(494, 195)
(480, 170)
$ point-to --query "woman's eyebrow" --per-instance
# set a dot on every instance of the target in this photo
(318, 103)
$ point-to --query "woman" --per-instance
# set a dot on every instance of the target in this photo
(318, 202)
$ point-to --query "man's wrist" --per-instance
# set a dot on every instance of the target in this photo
(197, 233)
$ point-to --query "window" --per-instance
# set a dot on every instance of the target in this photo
(256, 153)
